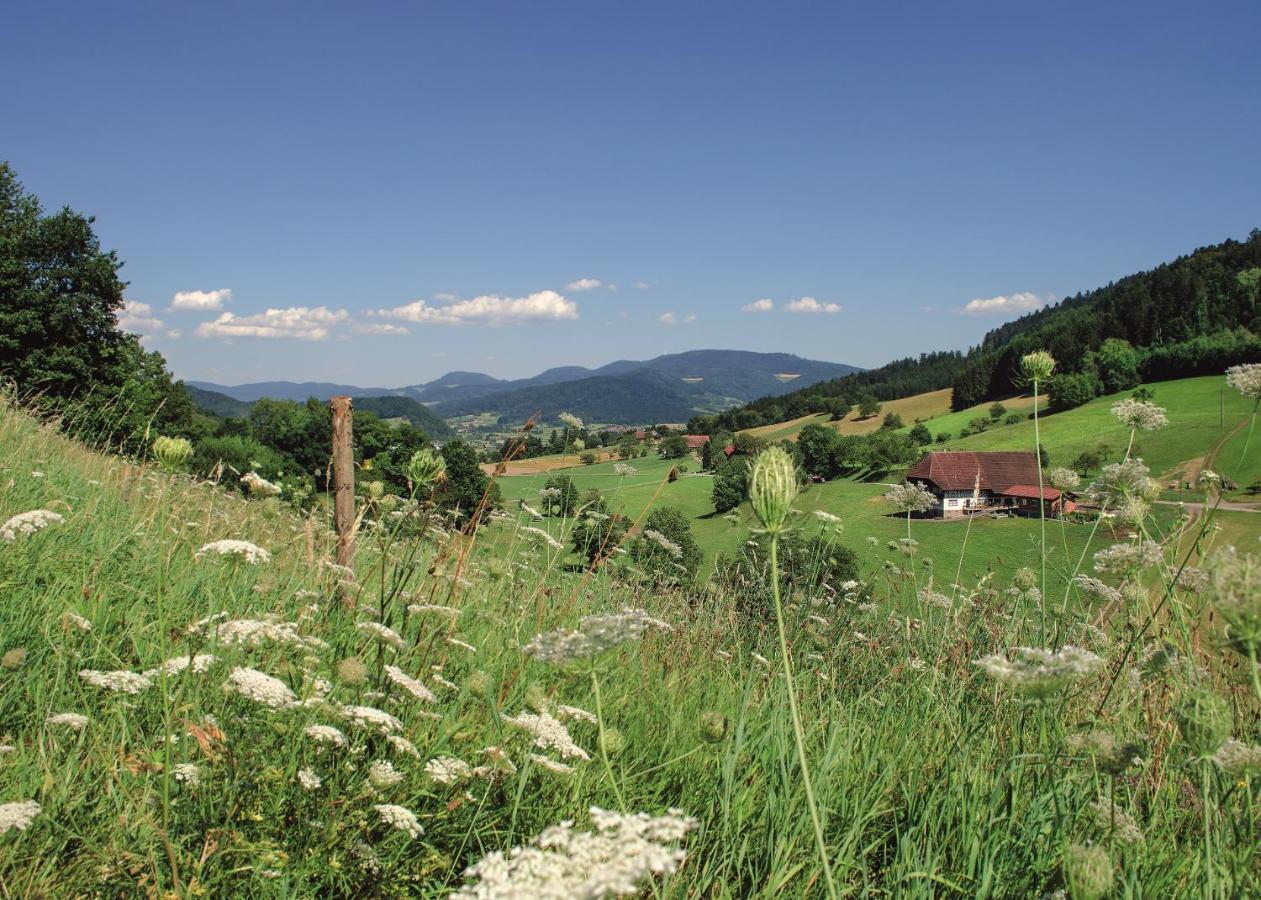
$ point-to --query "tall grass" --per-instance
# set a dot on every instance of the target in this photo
(930, 779)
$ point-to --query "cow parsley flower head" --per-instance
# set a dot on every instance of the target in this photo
(773, 487)
(1110, 819)
(1119, 482)
(260, 687)
(372, 718)
(544, 537)
(1037, 366)
(594, 635)
(409, 684)
(448, 770)
(383, 633)
(1238, 759)
(17, 815)
(1094, 586)
(570, 420)
(186, 773)
(325, 734)
(121, 681)
(197, 663)
(829, 518)
(549, 734)
(623, 470)
(613, 860)
(663, 542)
(244, 550)
(1234, 589)
(73, 721)
(1124, 559)
(1140, 415)
(1038, 673)
(911, 498)
(382, 774)
(1065, 479)
(549, 764)
(28, 523)
(1246, 379)
(309, 780)
(400, 817)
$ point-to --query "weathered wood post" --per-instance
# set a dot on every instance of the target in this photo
(343, 481)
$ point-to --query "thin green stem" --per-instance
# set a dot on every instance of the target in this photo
(604, 749)
(1037, 453)
(798, 732)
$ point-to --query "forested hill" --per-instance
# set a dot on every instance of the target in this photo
(1193, 316)
(384, 407)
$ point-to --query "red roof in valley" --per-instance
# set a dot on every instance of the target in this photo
(696, 441)
(955, 470)
(1030, 491)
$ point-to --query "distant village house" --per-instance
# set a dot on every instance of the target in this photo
(972, 482)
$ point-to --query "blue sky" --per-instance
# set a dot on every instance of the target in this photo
(412, 188)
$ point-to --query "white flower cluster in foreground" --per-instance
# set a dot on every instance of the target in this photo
(325, 734)
(544, 537)
(409, 684)
(250, 553)
(383, 633)
(1125, 558)
(258, 486)
(664, 543)
(1040, 673)
(1246, 379)
(28, 523)
(17, 815)
(253, 632)
(73, 721)
(911, 498)
(1140, 414)
(373, 718)
(594, 635)
(563, 864)
(448, 770)
(261, 688)
(120, 681)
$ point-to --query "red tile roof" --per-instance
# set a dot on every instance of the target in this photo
(955, 470)
(1030, 491)
(696, 441)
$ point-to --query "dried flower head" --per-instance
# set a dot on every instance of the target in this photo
(426, 468)
(1088, 871)
(351, 671)
(29, 523)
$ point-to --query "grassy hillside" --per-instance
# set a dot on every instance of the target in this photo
(931, 778)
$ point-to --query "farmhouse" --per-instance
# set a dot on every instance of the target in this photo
(969, 482)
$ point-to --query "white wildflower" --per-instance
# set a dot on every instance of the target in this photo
(565, 713)
(544, 537)
(309, 780)
(911, 498)
(409, 684)
(29, 523)
(623, 470)
(73, 721)
(1098, 588)
(1065, 479)
(448, 770)
(570, 420)
(1140, 414)
(77, 621)
(260, 687)
(1127, 558)
(551, 765)
(187, 773)
(594, 635)
(664, 543)
(1040, 673)
(824, 516)
(1239, 759)
(445, 682)
(250, 553)
(120, 681)
(383, 633)
(463, 645)
(198, 663)
(611, 861)
(325, 734)
(17, 815)
(382, 774)
(258, 486)
(402, 745)
(548, 733)
(1246, 379)
(399, 817)
(253, 632)
(371, 717)
(531, 511)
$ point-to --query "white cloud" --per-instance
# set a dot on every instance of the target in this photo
(812, 306)
(642, 285)
(298, 323)
(201, 301)
(766, 304)
(1005, 305)
(487, 310)
(378, 328)
(585, 284)
(138, 318)
(671, 318)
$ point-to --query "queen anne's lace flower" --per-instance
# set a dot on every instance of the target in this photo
(309, 780)
(252, 632)
(325, 734)
(1041, 673)
(1128, 558)
(250, 553)
(623, 470)
(1246, 379)
(371, 717)
(594, 635)
(544, 537)
(73, 721)
(17, 815)
(260, 687)
(383, 633)
(121, 681)
(1238, 759)
(29, 523)
(551, 765)
(198, 664)
(611, 861)
(409, 684)
(1110, 819)
(448, 770)
(1140, 414)
(911, 498)
(663, 542)
(258, 486)
(549, 734)
(382, 774)
(400, 817)
(187, 773)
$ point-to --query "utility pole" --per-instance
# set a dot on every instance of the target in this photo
(343, 481)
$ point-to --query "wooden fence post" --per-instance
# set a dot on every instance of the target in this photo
(343, 481)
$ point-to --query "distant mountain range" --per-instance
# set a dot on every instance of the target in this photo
(387, 407)
(669, 388)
